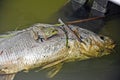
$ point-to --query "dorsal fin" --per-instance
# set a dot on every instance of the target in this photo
(7, 76)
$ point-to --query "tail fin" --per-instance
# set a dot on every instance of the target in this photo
(7, 76)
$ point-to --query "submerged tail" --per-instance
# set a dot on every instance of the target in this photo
(7, 76)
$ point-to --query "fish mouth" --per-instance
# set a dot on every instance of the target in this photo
(108, 49)
(111, 46)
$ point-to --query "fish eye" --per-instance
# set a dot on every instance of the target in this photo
(102, 37)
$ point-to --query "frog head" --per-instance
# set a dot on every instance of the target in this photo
(44, 32)
(49, 31)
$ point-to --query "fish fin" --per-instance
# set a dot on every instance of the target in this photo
(53, 64)
(48, 66)
(7, 76)
(53, 67)
(54, 70)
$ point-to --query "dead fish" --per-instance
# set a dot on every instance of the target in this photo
(30, 48)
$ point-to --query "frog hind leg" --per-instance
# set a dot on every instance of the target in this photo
(7, 36)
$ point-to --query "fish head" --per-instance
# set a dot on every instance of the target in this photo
(108, 45)
(89, 46)
(94, 45)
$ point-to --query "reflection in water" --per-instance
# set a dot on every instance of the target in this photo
(24, 13)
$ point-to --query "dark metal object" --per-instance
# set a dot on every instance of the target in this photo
(69, 29)
(84, 20)
(99, 8)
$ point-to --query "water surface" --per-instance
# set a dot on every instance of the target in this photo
(15, 13)
(23, 13)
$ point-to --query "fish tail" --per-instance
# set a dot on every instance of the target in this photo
(7, 76)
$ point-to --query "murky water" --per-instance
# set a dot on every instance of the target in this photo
(23, 13)
(20, 14)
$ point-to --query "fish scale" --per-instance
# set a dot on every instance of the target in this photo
(21, 52)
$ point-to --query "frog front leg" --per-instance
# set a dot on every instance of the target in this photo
(36, 36)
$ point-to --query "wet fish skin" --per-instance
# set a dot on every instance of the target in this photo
(22, 52)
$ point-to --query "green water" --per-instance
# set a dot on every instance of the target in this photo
(22, 13)
(15, 13)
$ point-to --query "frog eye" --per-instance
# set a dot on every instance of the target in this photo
(54, 31)
(102, 37)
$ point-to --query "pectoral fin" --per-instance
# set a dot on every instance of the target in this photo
(7, 76)
(54, 70)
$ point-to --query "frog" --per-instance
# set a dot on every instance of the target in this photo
(43, 32)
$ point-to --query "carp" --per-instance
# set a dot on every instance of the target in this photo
(47, 46)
